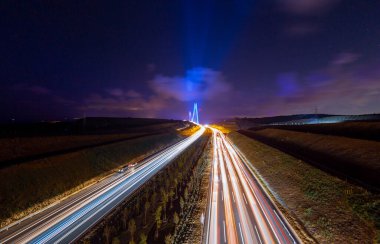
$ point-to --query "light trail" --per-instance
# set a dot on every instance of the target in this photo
(213, 237)
(253, 204)
(247, 230)
(251, 213)
(71, 219)
(228, 212)
(261, 208)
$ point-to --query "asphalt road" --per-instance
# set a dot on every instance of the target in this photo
(239, 211)
(67, 220)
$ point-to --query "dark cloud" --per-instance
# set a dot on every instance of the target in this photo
(303, 13)
(168, 93)
(25, 102)
(330, 90)
(345, 58)
(123, 105)
(118, 92)
(308, 7)
(197, 85)
(133, 94)
(288, 84)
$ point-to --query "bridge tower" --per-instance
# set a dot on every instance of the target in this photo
(195, 117)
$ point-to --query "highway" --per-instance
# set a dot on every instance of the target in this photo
(239, 211)
(69, 219)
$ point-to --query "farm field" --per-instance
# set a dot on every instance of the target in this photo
(22, 148)
(28, 147)
(351, 159)
(360, 130)
(56, 177)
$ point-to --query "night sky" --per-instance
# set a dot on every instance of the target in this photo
(63, 59)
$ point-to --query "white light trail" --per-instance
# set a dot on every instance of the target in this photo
(251, 205)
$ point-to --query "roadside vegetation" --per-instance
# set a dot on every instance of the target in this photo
(188, 131)
(194, 227)
(226, 126)
(321, 208)
(223, 129)
(161, 210)
(28, 187)
(190, 229)
(352, 159)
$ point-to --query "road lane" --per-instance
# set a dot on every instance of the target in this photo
(214, 234)
(251, 216)
(66, 221)
(245, 224)
(265, 211)
(229, 212)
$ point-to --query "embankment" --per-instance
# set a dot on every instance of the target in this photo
(361, 130)
(351, 159)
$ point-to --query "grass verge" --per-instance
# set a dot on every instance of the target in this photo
(189, 130)
(353, 159)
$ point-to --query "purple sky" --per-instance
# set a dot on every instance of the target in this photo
(65, 59)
